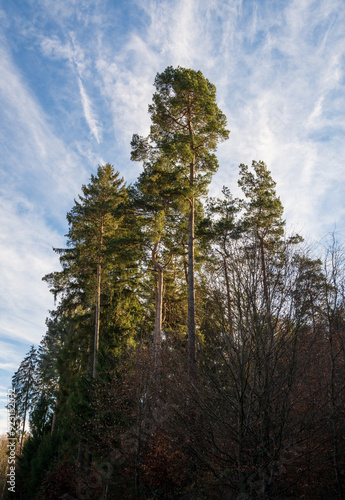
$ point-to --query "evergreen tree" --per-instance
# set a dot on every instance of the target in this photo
(220, 227)
(26, 385)
(161, 226)
(262, 219)
(309, 293)
(186, 127)
(93, 223)
(263, 213)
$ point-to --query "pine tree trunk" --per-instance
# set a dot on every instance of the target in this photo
(159, 293)
(157, 336)
(98, 303)
(191, 307)
(266, 290)
(264, 275)
(191, 291)
(191, 284)
(54, 416)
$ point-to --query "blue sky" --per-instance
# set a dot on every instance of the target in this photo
(76, 78)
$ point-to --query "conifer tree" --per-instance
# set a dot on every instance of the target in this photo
(93, 223)
(263, 221)
(26, 385)
(186, 127)
(263, 213)
(157, 210)
(220, 227)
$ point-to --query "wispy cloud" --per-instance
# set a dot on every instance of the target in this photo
(88, 112)
(10, 359)
(71, 51)
(34, 198)
(39, 159)
(26, 250)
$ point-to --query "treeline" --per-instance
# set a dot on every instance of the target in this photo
(196, 349)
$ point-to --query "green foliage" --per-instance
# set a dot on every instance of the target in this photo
(221, 224)
(41, 416)
(263, 209)
(186, 127)
(94, 222)
(27, 387)
(39, 453)
(263, 418)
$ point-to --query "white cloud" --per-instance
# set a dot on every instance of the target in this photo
(34, 195)
(26, 250)
(71, 51)
(88, 112)
(10, 359)
(128, 94)
(53, 48)
(316, 113)
(39, 160)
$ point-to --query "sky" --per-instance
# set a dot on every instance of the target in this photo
(76, 79)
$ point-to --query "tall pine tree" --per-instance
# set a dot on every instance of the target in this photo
(186, 127)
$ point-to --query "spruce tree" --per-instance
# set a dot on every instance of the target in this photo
(93, 223)
(262, 217)
(26, 385)
(219, 228)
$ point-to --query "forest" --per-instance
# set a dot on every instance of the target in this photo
(197, 348)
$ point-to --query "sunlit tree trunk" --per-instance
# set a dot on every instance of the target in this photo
(98, 303)
(159, 288)
(191, 277)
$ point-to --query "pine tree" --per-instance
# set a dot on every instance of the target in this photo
(186, 127)
(156, 205)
